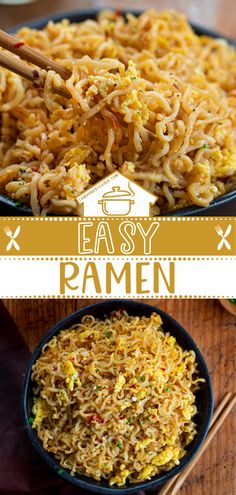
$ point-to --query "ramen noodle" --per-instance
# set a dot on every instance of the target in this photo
(148, 97)
(115, 399)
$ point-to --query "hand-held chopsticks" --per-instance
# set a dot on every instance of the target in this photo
(27, 53)
(221, 412)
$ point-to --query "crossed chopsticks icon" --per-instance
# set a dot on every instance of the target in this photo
(12, 235)
(223, 241)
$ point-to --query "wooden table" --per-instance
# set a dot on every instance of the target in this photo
(224, 15)
(215, 332)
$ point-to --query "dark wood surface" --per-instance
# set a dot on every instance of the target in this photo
(221, 15)
(213, 329)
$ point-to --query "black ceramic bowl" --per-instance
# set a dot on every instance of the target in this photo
(223, 206)
(204, 398)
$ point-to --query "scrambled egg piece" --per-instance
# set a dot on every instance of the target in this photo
(160, 376)
(102, 84)
(171, 440)
(71, 375)
(141, 394)
(146, 473)
(171, 341)
(134, 108)
(40, 411)
(62, 397)
(201, 172)
(76, 156)
(76, 181)
(121, 477)
(167, 455)
(119, 383)
(225, 163)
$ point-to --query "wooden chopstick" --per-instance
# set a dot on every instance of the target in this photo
(33, 74)
(22, 69)
(36, 76)
(27, 53)
(216, 414)
(216, 422)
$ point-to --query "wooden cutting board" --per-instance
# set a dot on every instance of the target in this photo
(213, 329)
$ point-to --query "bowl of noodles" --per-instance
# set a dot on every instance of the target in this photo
(117, 397)
(150, 96)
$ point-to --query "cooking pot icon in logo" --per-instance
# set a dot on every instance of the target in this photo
(117, 201)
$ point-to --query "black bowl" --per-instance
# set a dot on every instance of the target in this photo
(223, 206)
(204, 398)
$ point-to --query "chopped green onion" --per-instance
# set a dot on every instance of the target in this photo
(129, 420)
(108, 334)
(204, 146)
(233, 301)
(141, 378)
(19, 203)
(168, 389)
(119, 445)
(61, 471)
(31, 420)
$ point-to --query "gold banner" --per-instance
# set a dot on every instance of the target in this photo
(113, 236)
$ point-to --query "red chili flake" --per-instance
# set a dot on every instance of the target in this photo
(122, 367)
(99, 440)
(35, 168)
(72, 359)
(122, 417)
(95, 418)
(118, 13)
(163, 369)
(36, 73)
(132, 386)
(18, 44)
